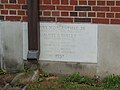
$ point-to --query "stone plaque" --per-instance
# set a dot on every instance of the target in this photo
(68, 42)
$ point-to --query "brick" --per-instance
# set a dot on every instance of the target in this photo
(82, 8)
(91, 2)
(65, 8)
(91, 14)
(100, 21)
(110, 15)
(64, 14)
(73, 2)
(4, 11)
(44, 7)
(111, 3)
(1, 6)
(46, 13)
(99, 14)
(40, 2)
(64, 19)
(73, 13)
(96, 8)
(87, 20)
(55, 13)
(115, 21)
(55, 1)
(115, 9)
(87, 10)
(64, 1)
(50, 19)
(82, 2)
(101, 2)
(12, 12)
(22, 1)
(1, 17)
(82, 14)
(24, 18)
(24, 6)
(12, 1)
(20, 12)
(12, 6)
(4, 1)
(13, 18)
(46, 1)
(117, 15)
(118, 3)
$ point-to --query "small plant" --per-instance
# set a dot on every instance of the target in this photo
(112, 81)
(3, 72)
(44, 74)
(77, 78)
(26, 69)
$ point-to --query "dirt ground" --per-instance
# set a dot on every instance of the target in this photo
(11, 79)
(46, 81)
(6, 78)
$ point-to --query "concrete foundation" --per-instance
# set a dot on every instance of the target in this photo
(59, 68)
(12, 45)
(108, 49)
(13, 51)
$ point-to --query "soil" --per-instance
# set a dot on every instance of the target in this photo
(6, 78)
(19, 83)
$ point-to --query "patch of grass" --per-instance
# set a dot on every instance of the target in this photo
(70, 86)
(112, 81)
(77, 78)
(34, 86)
(76, 82)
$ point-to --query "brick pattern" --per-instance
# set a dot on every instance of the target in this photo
(13, 10)
(80, 11)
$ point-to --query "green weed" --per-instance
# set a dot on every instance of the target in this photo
(112, 81)
(3, 72)
(77, 82)
(77, 78)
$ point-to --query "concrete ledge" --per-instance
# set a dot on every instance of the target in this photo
(68, 67)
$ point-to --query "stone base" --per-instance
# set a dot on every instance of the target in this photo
(65, 68)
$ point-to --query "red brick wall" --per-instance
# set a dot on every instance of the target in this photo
(13, 10)
(80, 11)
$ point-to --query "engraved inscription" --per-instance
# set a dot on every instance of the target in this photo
(68, 42)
